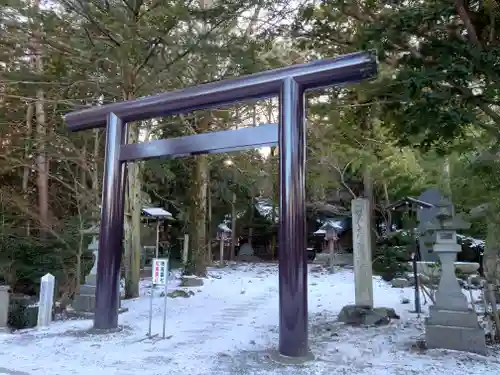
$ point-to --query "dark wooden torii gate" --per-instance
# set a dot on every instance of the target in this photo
(290, 84)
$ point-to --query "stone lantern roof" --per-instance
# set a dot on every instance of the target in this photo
(445, 220)
(223, 228)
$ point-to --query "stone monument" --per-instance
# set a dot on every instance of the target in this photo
(84, 302)
(362, 313)
(451, 324)
(362, 252)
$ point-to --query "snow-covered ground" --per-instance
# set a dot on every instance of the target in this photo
(228, 327)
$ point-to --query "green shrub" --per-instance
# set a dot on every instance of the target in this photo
(390, 261)
(24, 260)
(23, 311)
(397, 238)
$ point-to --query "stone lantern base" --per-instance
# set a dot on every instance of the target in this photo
(84, 303)
(455, 330)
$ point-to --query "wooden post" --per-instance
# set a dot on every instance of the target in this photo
(185, 249)
(157, 239)
(331, 248)
(221, 251)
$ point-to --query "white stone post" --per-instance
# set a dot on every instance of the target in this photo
(362, 252)
(46, 300)
(4, 307)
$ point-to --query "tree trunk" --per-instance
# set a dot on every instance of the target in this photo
(79, 206)
(388, 212)
(491, 257)
(197, 218)
(132, 227)
(368, 182)
(30, 111)
(447, 181)
(275, 198)
(251, 219)
(233, 227)
(95, 174)
(42, 162)
(368, 194)
(209, 223)
(200, 175)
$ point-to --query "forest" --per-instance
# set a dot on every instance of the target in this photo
(430, 119)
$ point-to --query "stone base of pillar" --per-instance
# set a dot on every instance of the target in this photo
(88, 314)
(454, 330)
(276, 357)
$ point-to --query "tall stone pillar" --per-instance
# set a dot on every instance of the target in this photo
(362, 252)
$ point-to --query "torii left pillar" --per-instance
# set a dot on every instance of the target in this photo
(107, 302)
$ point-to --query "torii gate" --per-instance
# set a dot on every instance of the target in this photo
(290, 84)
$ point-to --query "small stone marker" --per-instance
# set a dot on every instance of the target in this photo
(46, 300)
(362, 252)
(4, 307)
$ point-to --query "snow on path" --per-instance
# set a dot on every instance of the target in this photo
(227, 326)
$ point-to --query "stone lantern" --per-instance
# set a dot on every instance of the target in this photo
(330, 231)
(223, 234)
(331, 237)
(84, 301)
(451, 324)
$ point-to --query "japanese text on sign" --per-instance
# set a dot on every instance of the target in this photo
(160, 271)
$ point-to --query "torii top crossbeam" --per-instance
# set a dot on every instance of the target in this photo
(345, 69)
